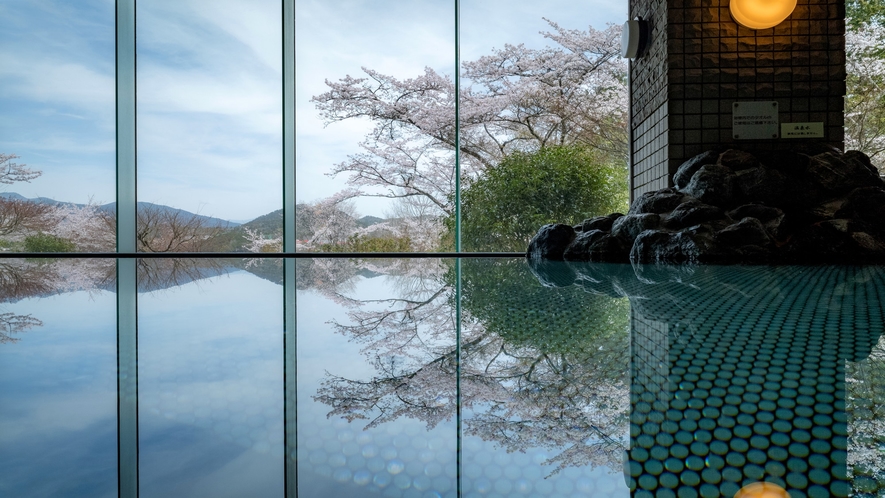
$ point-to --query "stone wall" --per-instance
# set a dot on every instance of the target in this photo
(700, 62)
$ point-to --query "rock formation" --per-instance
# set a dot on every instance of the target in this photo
(732, 206)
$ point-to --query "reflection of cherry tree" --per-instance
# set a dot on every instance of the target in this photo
(11, 324)
(571, 398)
(865, 405)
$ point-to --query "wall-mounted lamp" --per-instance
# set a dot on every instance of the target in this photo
(634, 38)
(761, 14)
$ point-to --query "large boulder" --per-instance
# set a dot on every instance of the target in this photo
(865, 203)
(835, 241)
(657, 202)
(747, 232)
(738, 160)
(689, 168)
(836, 175)
(694, 245)
(600, 246)
(630, 226)
(765, 186)
(598, 223)
(692, 212)
(716, 185)
(551, 241)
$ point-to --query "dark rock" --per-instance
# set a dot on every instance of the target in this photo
(689, 168)
(765, 186)
(581, 245)
(771, 217)
(603, 223)
(694, 245)
(836, 176)
(738, 160)
(824, 211)
(600, 246)
(716, 185)
(692, 212)
(550, 242)
(791, 163)
(867, 204)
(838, 240)
(758, 211)
(660, 201)
(747, 232)
(863, 159)
(630, 226)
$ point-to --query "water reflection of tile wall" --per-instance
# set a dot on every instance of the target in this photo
(758, 388)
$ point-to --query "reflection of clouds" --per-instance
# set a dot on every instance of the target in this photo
(58, 398)
(210, 368)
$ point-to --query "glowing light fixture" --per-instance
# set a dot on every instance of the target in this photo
(761, 14)
(762, 490)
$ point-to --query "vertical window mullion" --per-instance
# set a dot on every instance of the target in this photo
(125, 76)
(127, 354)
(289, 303)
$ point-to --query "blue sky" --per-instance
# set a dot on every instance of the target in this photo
(209, 104)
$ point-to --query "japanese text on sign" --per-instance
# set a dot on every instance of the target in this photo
(755, 120)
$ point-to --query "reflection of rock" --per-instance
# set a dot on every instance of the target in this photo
(815, 206)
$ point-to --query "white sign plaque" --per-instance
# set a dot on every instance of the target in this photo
(754, 120)
(802, 130)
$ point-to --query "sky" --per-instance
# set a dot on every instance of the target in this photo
(209, 119)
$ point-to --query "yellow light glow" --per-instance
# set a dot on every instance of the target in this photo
(761, 14)
(762, 490)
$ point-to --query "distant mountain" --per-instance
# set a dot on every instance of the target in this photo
(367, 221)
(269, 223)
(111, 206)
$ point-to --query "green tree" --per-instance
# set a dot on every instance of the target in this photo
(865, 81)
(504, 208)
(860, 12)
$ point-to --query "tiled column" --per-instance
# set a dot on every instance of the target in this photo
(700, 62)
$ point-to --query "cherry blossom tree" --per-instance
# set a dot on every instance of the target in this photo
(865, 100)
(516, 99)
(89, 227)
(11, 172)
(19, 217)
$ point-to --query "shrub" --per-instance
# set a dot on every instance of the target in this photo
(44, 242)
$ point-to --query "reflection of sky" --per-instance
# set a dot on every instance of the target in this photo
(211, 389)
(209, 130)
(58, 402)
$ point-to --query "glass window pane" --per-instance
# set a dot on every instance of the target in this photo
(543, 118)
(209, 126)
(374, 125)
(57, 136)
(58, 378)
(210, 378)
(376, 378)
